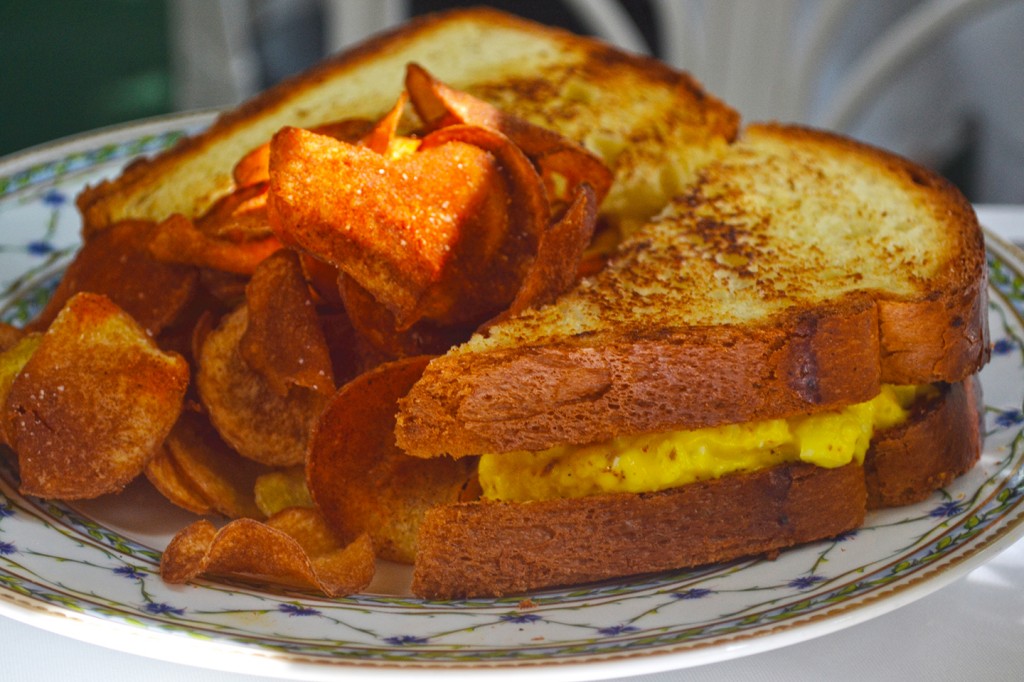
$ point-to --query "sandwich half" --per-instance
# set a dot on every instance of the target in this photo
(791, 341)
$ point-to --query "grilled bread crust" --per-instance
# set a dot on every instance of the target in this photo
(654, 126)
(940, 442)
(799, 273)
(500, 548)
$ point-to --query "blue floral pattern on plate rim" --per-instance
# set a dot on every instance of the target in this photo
(82, 571)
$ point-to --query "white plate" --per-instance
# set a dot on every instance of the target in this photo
(89, 570)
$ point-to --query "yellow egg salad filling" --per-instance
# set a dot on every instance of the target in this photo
(657, 461)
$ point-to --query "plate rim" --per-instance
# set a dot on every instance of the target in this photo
(594, 666)
(92, 139)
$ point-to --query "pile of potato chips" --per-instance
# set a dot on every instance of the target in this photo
(248, 361)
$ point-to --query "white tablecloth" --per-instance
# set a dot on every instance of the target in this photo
(970, 630)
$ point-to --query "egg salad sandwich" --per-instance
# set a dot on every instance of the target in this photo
(790, 342)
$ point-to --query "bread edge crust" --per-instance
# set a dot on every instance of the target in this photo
(493, 549)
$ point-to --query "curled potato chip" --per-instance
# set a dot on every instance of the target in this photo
(164, 475)
(563, 162)
(239, 217)
(351, 355)
(227, 288)
(254, 167)
(93, 403)
(376, 325)
(281, 489)
(559, 254)
(322, 278)
(293, 549)
(223, 478)
(178, 240)
(249, 415)
(382, 135)
(501, 254)
(360, 480)
(392, 224)
(283, 339)
(117, 263)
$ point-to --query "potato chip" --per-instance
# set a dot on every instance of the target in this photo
(117, 263)
(12, 360)
(376, 326)
(250, 417)
(501, 255)
(415, 242)
(283, 340)
(561, 249)
(322, 278)
(254, 166)
(187, 555)
(10, 336)
(564, 163)
(223, 478)
(281, 489)
(93, 403)
(268, 553)
(164, 475)
(360, 480)
(307, 527)
(382, 135)
(227, 288)
(530, 212)
(351, 355)
(178, 240)
(239, 217)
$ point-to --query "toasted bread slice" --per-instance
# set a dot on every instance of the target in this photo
(499, 548)
(799, 273)
(653, 125)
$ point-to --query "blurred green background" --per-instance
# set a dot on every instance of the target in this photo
(73, 65)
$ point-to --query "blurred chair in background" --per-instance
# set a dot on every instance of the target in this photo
(940, 81)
